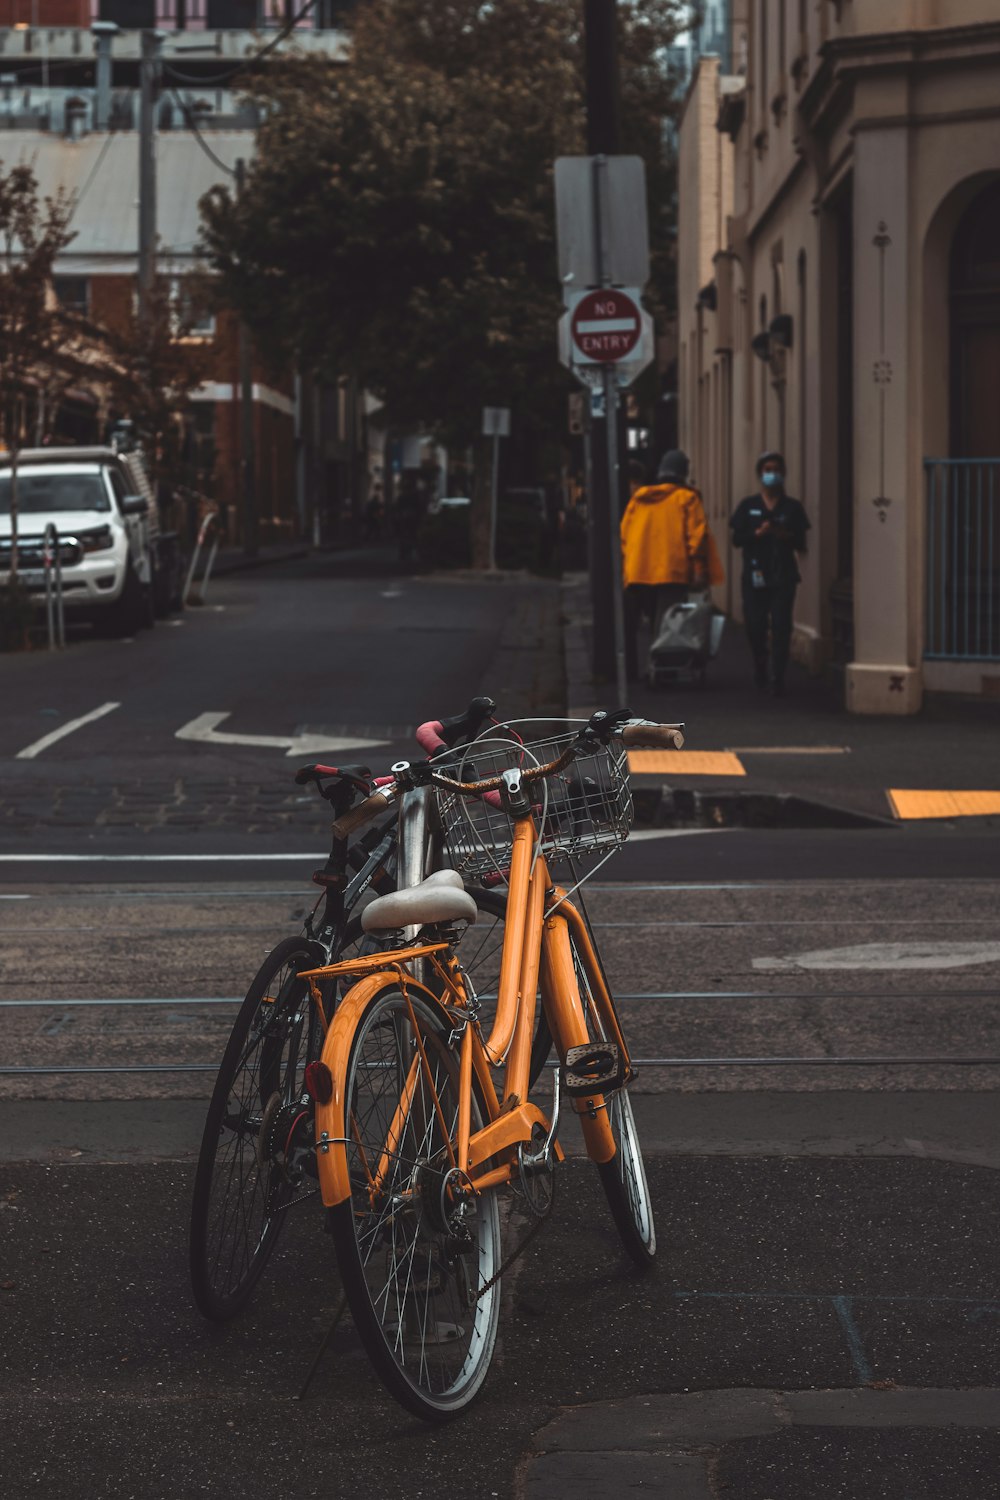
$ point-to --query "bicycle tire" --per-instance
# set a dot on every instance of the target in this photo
(624, 1176)
(239, 1203)
(479, 954)
(419, 1266)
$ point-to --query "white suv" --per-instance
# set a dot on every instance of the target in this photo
(102, 505)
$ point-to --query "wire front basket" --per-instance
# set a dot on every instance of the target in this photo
(585, 809)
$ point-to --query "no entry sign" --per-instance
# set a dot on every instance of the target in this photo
(605, 327)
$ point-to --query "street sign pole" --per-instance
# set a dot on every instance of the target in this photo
(611, 453)
(496, 424)
(494, 501)
(603, 139)
(614, 538)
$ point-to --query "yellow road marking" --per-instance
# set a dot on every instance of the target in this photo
(685, 762)
(913, 804)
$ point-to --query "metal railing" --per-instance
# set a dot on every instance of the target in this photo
(198, 594)
(963, 559)
(55, 615)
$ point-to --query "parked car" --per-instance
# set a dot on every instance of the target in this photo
(118, 569)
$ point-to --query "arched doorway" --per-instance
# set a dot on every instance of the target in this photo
(963, 490)
(974, 286)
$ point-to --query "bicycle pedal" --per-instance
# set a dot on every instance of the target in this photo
(596, 1068)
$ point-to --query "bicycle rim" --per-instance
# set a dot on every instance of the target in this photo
(243, 1188)
(624, 1176)
(415, 1255)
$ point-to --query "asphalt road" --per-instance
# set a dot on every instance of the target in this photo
(823, 1227)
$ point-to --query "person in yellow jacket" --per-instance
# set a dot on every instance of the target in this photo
(667, 549)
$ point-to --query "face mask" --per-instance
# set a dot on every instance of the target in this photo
(771, 480)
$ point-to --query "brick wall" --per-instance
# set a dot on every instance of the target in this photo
(54, 13)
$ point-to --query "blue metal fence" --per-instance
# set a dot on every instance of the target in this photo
(963, 559)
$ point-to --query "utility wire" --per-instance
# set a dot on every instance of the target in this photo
(248, 62)
(79, 197)
(187, 115)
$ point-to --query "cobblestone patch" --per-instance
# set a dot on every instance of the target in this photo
(189, 803)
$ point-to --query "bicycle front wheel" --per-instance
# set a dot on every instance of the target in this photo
(418, 1250)
(624, 1176)
(257, 1134)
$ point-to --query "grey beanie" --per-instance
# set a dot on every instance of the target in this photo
(771, 456)
(674, 465)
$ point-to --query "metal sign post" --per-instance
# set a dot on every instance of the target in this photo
(605, 337)
(496, 424)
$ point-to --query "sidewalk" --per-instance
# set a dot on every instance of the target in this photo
(802, 746)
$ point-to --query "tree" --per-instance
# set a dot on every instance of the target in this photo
(159, 365)
(397, 223)
(31, 327)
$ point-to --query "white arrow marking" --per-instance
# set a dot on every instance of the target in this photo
(46, 740)
(205, 730)
(942, 955)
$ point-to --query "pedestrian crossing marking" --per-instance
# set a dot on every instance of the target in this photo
(920, 804)
(685, 763)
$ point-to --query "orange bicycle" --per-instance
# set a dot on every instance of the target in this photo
(421, 1119)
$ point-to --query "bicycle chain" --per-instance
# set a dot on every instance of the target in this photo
(515, 1254)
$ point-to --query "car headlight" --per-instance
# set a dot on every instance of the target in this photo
(98, 540)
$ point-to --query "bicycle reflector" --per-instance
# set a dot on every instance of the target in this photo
(319, 1082)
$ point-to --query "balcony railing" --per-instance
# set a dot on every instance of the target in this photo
(963, 559)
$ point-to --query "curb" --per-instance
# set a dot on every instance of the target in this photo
(248, 564)
(671, 807)
(671, 1444)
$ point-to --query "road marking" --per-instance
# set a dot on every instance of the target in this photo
(672, 833)
(64, 729)
(908, 803)
(155, 859)
(789, 749)
(915, 955)
(685, 762)
(204, 730)
(852, 1334)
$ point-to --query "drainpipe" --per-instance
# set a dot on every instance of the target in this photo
(103, 33)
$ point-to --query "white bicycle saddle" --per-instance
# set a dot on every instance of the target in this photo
(440, 898)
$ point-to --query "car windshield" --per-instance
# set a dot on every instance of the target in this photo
(41, 493)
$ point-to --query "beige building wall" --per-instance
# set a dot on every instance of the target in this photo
(705, 178)
(860, 132)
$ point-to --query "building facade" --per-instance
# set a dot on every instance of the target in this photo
(79, 133)
(839, 299)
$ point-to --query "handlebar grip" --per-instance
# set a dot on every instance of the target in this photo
(362, 814)
(428, 737)
(310, 773)
(652, 736)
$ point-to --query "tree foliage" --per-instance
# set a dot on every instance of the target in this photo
(158, 364)
(398, 220)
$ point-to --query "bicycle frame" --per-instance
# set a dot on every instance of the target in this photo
(537, 947)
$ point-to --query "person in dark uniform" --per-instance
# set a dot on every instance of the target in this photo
(770, 528)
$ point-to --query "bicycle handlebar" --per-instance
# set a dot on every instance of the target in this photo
(364, 812)
(443, 734)
(642, 735)
(633, 732)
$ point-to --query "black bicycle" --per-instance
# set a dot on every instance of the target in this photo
(257, 1158)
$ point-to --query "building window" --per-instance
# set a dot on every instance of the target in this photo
(762, 68)
(130, 15)
(73, 293)
(281, 12)
(188, 316)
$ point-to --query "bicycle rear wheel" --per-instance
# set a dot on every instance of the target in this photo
(624, 1176)
(418, 1251)
(257, 1134)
